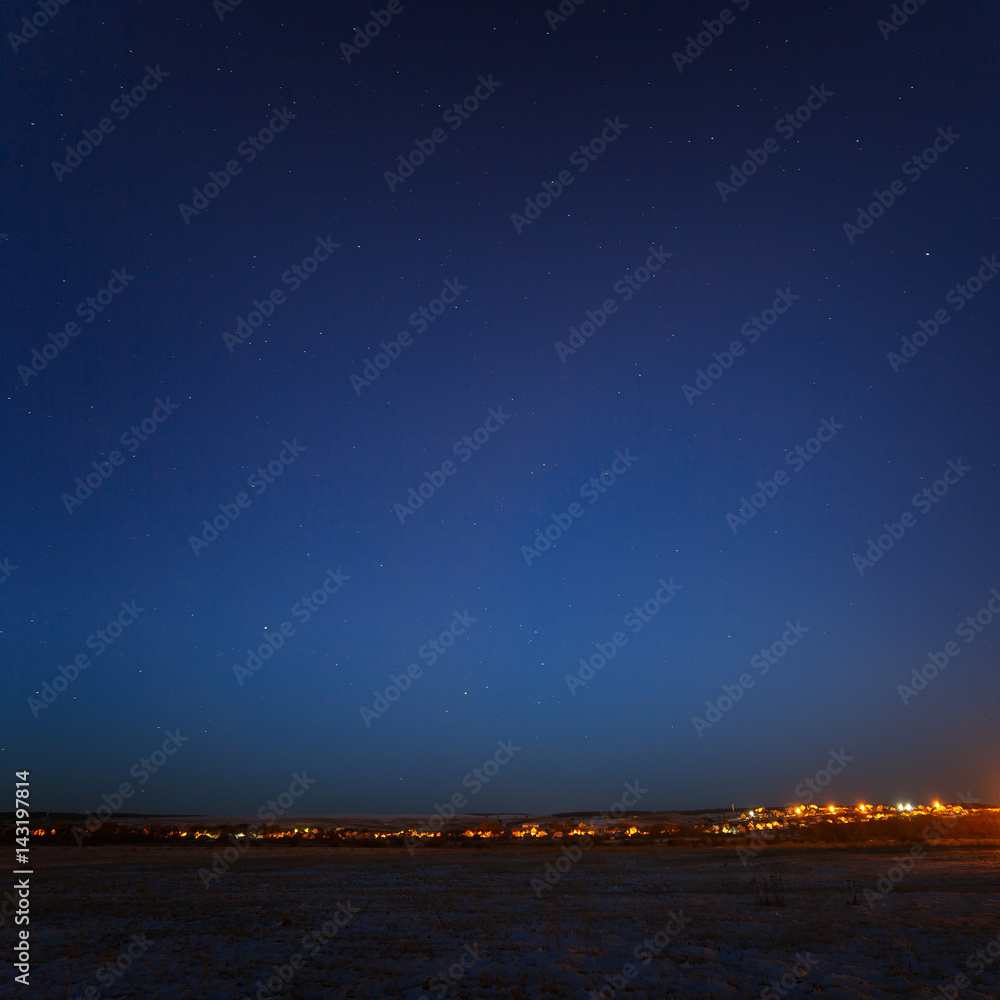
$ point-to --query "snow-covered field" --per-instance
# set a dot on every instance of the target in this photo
(316, 923)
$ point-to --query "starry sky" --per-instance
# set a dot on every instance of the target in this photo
(613, 384)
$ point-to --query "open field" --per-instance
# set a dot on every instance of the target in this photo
(406, 923)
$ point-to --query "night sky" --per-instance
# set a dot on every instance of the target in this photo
(462, 354)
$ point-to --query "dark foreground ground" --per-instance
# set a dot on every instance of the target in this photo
(639, 922)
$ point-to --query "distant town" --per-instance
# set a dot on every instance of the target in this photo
(805, 824)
